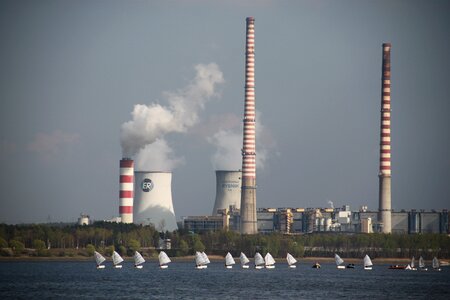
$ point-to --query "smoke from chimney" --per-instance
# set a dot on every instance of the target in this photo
(143, 135)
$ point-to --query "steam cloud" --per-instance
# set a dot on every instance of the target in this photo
(143, 136)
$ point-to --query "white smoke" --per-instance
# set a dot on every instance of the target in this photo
(157, 156)
(331, 204)
(228, 144)
(152, 122)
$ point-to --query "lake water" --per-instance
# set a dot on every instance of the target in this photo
(38, 280)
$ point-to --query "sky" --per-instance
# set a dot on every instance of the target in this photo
(72, 73)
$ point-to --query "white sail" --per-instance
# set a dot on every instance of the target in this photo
(338, 259)
(229, 260)
(435, 263)
(421, 262)
(412, 262)
(205, 257)
(117, 259)
(269, 259)
(99, 259)
(290, 259)
(367, 261)
(163, 258)
(199, 259)
(243, 258)
(138, 259)
(259, 260)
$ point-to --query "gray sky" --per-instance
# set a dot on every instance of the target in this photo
(72, 71)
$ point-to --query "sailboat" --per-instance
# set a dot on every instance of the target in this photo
(270, 262)
(435, 264)
(229, 261)
(117, 259)
(411, 265)
(339, 262)
(422, 264)
(164, 260)
(99, 259)
(201, 260)
(291, 261)
(367, 263)
(138, 260)
(259, 261)
(244, 260)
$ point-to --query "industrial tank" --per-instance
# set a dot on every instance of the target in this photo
(153, 200)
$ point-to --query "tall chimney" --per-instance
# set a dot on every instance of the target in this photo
(385, 143)
(126, 183)
(248, 191)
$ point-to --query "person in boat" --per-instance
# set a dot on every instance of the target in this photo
(316, 265)
(350, 266)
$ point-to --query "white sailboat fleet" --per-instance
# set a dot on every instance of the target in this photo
(117, 260)
(269, 261)
(201, 260)
(291, 261)
(229, 261)
(259, 261)
(339, 262)
(164, 260)
(244, 261)
(138, 260)
(367, 263)
(99, 259)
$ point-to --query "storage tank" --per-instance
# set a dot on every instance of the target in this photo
(228, 190)
(153, 200)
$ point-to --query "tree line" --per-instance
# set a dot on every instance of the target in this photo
(74, 240)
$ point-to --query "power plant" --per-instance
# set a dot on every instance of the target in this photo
(248, 190)
(153, 200)
(126, 182)
(385, 143)
(228, 190)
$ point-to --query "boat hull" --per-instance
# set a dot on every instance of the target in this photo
(101, 267)
(259, 267)
(163, 266)
(201, 267)
(229, 267)
(118, 267)
(368, 268)
(292, 266)
(139, 267)
(270, 267)
(340, 267)
(245, 267)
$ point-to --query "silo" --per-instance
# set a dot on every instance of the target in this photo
(228, 190)
(153, 200)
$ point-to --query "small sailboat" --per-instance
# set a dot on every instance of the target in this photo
(270, 262)
(422, 266)
(339, 262)
(138, 260)
(229, 261)
(99, 259)
(413, 264)
(164, 260)
(367, 263)
(117, 260)
(244, 260)
(291, 261)
(316, 266)
(201, 260)
(435, 264)
(259, 261)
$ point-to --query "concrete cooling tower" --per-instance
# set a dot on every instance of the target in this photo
(228, 190)
(153, 200)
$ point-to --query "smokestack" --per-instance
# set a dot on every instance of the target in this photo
(228, 190)
(248, 191)
(153, 200)
(126, 182)
(385, 143)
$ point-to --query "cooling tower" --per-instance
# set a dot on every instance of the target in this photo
(153, 200)
(385, 143)
(228, 190)
(248, 191)
(126, 181)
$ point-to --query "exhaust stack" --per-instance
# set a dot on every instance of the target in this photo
(126, 183)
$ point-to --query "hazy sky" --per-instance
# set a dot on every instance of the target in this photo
(72, 71)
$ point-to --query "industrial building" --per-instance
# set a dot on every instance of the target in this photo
(228, 190)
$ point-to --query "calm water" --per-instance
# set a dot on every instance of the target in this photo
(39, 280)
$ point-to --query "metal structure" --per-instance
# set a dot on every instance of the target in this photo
(385, 143)
(126, 182)
(248, 191)
(153, 200)
(228, 190)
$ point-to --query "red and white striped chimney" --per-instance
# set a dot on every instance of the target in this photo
(248, 192)
(126, 183)
(385, 143)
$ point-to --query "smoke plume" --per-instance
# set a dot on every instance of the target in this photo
(150, 123)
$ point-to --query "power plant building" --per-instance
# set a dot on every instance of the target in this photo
(153, 200)
(228, 190)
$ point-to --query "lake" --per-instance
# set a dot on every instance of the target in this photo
(38, 280)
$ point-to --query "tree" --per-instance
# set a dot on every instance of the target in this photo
(184, 248)
(90, 249)
(17, 247)
(198, 246)
(3, 243)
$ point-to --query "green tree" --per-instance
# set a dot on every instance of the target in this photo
(198, 246)
(16, 246)
(3, 243)
(90, 249)
(184, 248)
